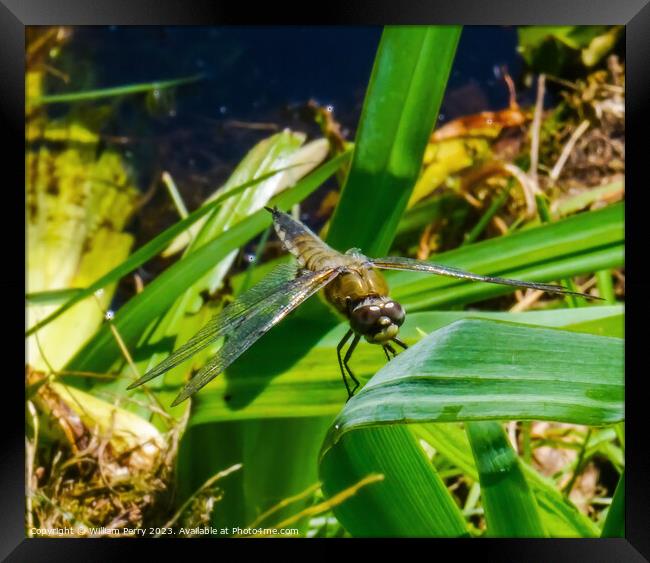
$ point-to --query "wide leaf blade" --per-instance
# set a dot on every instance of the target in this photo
(481, 370)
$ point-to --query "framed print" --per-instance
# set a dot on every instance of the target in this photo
(360, 279)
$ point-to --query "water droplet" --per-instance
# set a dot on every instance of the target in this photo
(223, 109)
(99, 292)
(330, 108)
(110, 315)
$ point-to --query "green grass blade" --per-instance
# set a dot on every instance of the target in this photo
(606, 286)
(482, 370)
(134, 317)
(89, 95)
(52, 297)
(406, 87)
(510, 507)
(411, 501)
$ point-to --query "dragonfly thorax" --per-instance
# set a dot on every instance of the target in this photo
(377, 319)
(354, 284)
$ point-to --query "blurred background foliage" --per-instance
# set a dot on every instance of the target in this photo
(498, 150)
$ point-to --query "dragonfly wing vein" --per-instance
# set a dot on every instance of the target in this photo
(224, 322)
(401, 263)
(267, 315)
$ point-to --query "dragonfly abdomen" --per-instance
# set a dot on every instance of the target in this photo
(310, 251)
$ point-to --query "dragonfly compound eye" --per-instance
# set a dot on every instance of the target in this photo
(377, 322)
(394, 311)
(363, 319)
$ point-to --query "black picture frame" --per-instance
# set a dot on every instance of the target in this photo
(635, 14)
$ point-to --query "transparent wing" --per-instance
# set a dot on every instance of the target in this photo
(267, 314)
(225, 321)
(400, 263)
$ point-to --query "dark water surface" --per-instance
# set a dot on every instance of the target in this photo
(251, 72)
(256, 80)
(259, 75)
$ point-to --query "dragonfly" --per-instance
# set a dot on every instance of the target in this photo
(351, 283)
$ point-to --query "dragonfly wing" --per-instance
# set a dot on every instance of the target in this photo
(226, 321)
(267, 314)
(400, 263)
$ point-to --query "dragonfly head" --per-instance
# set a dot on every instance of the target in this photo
(377, 318)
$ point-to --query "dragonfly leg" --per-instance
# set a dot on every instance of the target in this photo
(398, 341)
(385, 349)
(390, 349)
(348, 355)
(338, 354)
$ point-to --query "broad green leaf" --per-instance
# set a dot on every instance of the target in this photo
(267, 482)
(481, 370)
(499, 356)
(272, 453)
